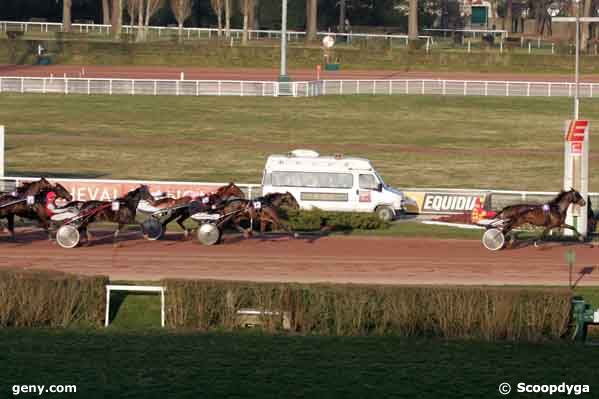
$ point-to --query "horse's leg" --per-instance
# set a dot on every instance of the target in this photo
(11, 226)
(116, 234)
(578, 235)
(274, 219)
(180, 221)
(169, 219)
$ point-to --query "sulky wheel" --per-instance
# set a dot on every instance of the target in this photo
(152, 229)
(493, 239)
(68, 236)
(209, 234)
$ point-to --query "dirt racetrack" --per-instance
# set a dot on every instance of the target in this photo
(198, 73)
(307, 259)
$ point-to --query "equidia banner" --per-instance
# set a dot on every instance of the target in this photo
(443, 202)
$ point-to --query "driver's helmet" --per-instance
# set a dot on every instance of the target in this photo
(50, 197)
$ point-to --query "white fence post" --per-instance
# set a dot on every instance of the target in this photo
(444, 91)
(22, 85)
(43, 86)
(465, 88)
(507, 89)
(528, 89)
(66, 86)
(0, 85)
(155, 87)
(549, 88)
(110, 87)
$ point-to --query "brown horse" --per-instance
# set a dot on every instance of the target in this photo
(105, 211)
(182, 208)
(551, 215)
(11, 206)
(271, 202)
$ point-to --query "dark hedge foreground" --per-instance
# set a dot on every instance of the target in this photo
(50, 299)
(449, 312)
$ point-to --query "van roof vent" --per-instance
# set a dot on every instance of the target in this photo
(304, 153)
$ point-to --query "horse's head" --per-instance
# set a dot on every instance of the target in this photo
(140, 193)
(576, 198)
(36, 187)
(289, 200)
(62, 192)
(230, 190)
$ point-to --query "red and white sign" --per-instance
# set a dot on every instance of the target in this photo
(576, 131)
(107, 190)
(576, 148)
(364, 196)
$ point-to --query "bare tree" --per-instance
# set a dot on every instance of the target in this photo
(152, 6)
(217, 6)
(413, 20)
(181, 10)
(584, 27)
(246, 6)
(508, 17)
(342, 7)
(106, 12)
(132, 6)
(117, 18)
(227, 18)
(311, 19)
(66, 15)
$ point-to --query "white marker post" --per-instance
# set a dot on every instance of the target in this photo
(576, 171)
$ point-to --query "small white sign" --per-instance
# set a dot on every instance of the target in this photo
(257, 204)
(596, 317)
(30, 200)
(116, 205)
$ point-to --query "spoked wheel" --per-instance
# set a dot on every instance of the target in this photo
(493, 239)
(68, 236)
(209, 234)
(152, 229)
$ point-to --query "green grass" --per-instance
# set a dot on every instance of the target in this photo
(509, 143)
(156, 364)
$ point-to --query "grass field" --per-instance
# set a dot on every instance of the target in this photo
(501, 143)
(155, 364)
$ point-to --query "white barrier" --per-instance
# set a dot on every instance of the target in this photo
(104, 86)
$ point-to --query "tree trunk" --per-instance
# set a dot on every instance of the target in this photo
(311, 20)
(584, 26)
(246, 11)
(105, 12)
(254, 16)
(140, 21)
(341, 15)
(508, 16)
(66, 15)
(413, 20)
(228, 18)
(116, 17)
(219, 16)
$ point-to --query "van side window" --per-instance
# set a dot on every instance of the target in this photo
(312, 179)
(368, 182)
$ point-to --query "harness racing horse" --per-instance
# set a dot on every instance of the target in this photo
(11, 206)
(182, 208)
(106, 211)
(271, 202)
(551, 215)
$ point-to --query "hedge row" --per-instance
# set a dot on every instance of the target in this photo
(317, 219)
(449, 312)
(50, 299)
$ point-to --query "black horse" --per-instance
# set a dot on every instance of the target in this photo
(121, 211)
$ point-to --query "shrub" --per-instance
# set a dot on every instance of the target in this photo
(316, 219)
(324, 309)
(50, 299)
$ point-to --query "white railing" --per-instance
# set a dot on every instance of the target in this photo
(457, 87)
(159, 87)
(190, 33)
(138, 86)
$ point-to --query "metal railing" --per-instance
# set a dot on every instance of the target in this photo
(191, 33)
(161, 87)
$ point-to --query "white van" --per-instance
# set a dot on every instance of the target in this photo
(331, 183)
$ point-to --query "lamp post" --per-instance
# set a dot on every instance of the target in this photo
(577, 62)
(283, 77)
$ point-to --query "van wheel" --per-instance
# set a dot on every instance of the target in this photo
(385, 213)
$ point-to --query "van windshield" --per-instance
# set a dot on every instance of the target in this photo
(380, 179)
